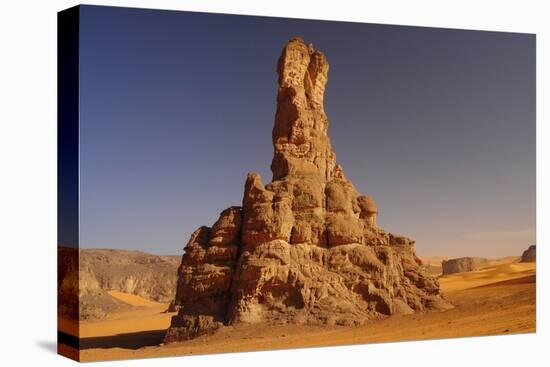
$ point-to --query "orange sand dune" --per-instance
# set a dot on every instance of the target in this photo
(492, 274)
(146, 316)
(134, 300)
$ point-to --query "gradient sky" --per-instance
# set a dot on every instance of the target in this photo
(176, 108)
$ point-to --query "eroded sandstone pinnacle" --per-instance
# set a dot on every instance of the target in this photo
(306, 247)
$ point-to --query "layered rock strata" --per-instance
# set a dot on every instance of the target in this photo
(463, 265)
(305, 248)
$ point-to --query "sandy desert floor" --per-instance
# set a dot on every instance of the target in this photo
(495, 300)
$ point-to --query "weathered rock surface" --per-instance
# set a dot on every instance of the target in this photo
(463, 264)
(146, 275)
(529, 255)
(86, 276)
(305, 248)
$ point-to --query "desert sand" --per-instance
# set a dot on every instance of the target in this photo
(495, 300)
(146, 316)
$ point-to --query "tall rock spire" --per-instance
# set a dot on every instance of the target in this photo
(302, 146)
(305, 248)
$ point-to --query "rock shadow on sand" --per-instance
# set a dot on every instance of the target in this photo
(126, 341)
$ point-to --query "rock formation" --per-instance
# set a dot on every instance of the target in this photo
(305, 248)
(135, 272)
(529, 255)
(463, 264)
(86, 276)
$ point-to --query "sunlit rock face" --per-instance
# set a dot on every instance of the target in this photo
(304, 248)
(463, 265)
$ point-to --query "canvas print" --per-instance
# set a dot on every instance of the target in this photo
(236, 183)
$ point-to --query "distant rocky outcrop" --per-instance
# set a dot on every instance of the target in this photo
(435, 265)
(83, 286)
(306, 247)
(529, 255)
(463, 264)
(149, 276)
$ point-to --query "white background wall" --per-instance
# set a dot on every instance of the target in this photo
(28, 182)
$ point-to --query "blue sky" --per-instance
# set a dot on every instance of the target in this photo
(176, 108)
